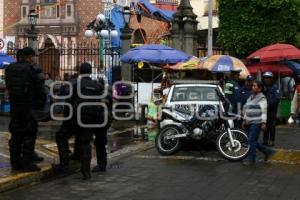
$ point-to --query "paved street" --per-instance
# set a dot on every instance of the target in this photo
(146, 176)
(186, 175)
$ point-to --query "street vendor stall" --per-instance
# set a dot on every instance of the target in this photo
(153, 55)
(4, 61)
(276, 58)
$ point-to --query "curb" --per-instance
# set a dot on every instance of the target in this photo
(21, 179)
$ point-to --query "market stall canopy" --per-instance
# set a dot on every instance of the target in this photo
(224, 64)
(191, 64)
(154, 54)
(275, 68)
(5, 60)
(276, 52)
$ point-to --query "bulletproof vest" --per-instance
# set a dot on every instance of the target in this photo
(90, 113)
(20, 83)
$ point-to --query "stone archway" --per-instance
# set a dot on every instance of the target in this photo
(49, 58)
(139, 36)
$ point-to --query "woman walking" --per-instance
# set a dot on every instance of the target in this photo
(255, 118)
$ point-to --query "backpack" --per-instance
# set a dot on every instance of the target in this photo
(89, 114)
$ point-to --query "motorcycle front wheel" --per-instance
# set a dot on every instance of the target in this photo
(240, 149)
(167, 146)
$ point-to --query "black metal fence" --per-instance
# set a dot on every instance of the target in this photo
(58, 61)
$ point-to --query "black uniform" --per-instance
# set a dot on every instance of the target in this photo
(25, 84)
(100, 141)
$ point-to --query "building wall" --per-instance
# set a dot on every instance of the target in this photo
(200, 8)
(87, 11)
(1, 17)
(154, 29)
(11, 16)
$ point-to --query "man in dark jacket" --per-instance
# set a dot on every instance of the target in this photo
(271, 92)
(25, 85)
(246, 90)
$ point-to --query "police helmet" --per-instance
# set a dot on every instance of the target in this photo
(85, 68)
(268, 75)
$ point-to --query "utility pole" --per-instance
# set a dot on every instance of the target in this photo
(210, 30)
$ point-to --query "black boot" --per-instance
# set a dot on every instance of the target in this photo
(36, 158)
(31, 168)
(61, 169)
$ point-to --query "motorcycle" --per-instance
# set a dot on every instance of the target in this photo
(203, 123)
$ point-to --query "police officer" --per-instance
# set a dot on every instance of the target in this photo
(232, 92)
(100, 141)
(246, 90)
(272, 94)
(83, 134)
(25, 85)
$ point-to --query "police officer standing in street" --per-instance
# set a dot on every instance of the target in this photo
(272, 94)
(25, 85)
(233, 93)
(100, 141)
(82, 122)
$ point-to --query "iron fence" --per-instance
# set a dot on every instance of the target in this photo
(58, 61)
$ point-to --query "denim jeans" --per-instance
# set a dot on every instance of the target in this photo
(253, 135)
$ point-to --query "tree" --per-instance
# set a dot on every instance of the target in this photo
(246, 26)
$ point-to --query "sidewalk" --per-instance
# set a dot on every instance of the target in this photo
(123, 138)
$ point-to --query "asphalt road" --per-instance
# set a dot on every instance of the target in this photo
(148, 176)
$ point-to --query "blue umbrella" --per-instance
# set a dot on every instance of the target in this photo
(294, 66)
(155, 54)
(5, 60)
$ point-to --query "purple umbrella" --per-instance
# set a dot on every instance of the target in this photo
(154, 54)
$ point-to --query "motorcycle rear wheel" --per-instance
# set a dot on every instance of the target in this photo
(168, 146)
(237, 153)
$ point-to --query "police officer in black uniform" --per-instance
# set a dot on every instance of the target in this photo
(271, 92)
(25, 85)
(100, 141)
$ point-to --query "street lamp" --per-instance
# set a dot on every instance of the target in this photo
(126, 41)
(103, 28)
(32, 32)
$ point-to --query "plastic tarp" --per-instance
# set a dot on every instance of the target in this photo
(118, 20)
(164, 14)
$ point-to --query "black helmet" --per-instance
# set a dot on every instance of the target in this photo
(85, 68)
(28, 51)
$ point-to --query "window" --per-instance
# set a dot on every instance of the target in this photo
(194, 94)
(69, 10)
(38, 10)
(24, 12)
(49, 12)
(57, 11)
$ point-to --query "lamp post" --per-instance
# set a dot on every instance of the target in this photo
(126, 41)
(103, 29)
(32, 32)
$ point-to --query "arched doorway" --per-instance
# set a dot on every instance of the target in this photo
(139, 36)
(49, 59)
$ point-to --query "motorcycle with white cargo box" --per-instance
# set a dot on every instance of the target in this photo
(205, 122)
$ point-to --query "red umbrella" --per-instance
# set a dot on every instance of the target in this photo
(275, 68)
(276, 52)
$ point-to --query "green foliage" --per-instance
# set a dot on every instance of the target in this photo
(246, 26)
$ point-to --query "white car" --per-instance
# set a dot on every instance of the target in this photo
(191, 96)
